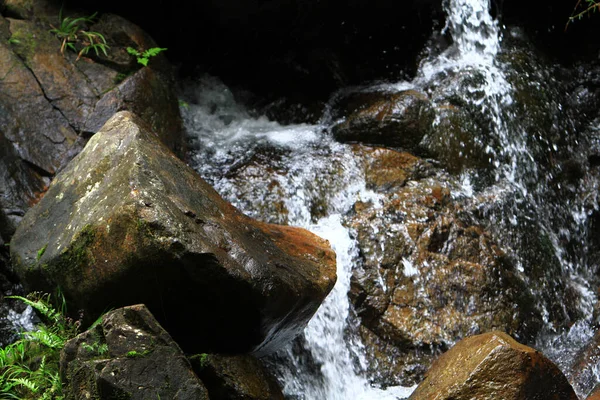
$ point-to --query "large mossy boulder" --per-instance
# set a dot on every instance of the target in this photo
(50, 103)
(493, 366)
(429, 275)
(128, 355)
(127, 222)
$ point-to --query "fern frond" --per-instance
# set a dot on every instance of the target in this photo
(26, 383)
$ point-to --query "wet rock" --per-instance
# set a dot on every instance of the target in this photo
(429, 275)
(128, 222)
(583, 366)
(235, 377)
(50, 103)
(437, 127)
(128, 355)
(595, 394)
(493, 366)
(39, 133)
(387, 171)
(20, 187)
(398, 120)
(455, 140)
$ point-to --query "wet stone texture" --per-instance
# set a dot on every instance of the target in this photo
(51, 103)
(239, 377)
(128, 355)
(428, 276)
(493, 366)
(399, 120)
(127, 222)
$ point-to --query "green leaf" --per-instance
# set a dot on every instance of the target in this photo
(133, 52)
(154, 51)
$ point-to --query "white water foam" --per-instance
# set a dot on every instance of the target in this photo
(228, 137)
(305, 159)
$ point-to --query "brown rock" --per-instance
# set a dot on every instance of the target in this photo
(428, 276)
(50, 103)
(128, 222)
(493, 366)
(235, 377)
(582, 370)
(399, 120)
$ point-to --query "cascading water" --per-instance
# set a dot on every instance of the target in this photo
(299, 175)
(304, 167)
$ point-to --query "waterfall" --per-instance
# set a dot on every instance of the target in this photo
(305, 166)
(300, 176)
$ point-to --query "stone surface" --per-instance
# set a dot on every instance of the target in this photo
(429, 275)
(235, 378)
(128, 222)
(398, 120)
(594, 395)
(583, 366)
(128, 355)
(50, 103)
(493, 366)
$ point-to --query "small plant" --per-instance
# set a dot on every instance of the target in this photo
(95, 348)
(29, 367)
(71, 31)
(582, 8)
(41, 252)
(144, 56)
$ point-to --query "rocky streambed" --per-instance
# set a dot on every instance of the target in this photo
(457, 203)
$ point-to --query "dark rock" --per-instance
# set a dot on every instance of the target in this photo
(150, 95)
(128, 222)
(493, 366)
(128, 355)
(398, 120)
(20, 187)
(39, 132)
(235, 377)
(50, 103)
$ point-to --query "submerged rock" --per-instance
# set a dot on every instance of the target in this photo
(493, 366)
(128, 355)
(595, 394)
(128, 222)
(235, 377)
(428, 276)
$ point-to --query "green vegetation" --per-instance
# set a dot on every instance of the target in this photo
(29, 368)
(41, 252)
(71, 32)
(97, 348)
(583, 8)
(143, 57)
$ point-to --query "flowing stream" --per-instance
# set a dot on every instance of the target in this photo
(299, 175)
